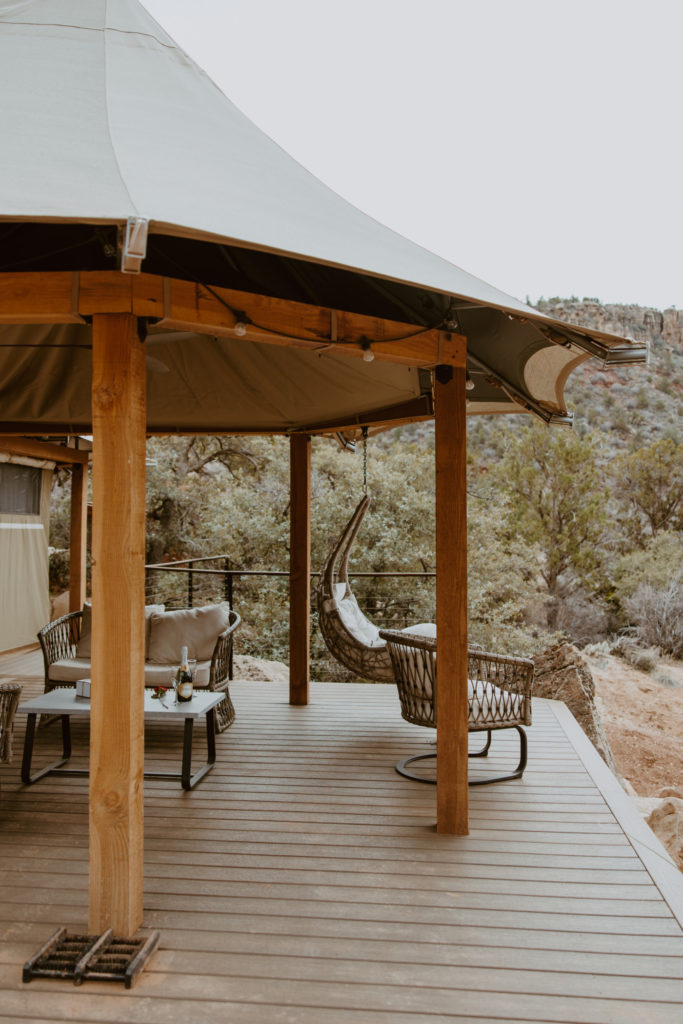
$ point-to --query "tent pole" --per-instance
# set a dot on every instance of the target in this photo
(451, 598)
(118, 641)
(78, 542)
(300, 569)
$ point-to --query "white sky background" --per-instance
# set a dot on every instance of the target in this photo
(535, 143)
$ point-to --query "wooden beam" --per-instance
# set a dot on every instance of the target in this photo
(78, 542)
(118, 640)
(413, 411)
(228, 313)
(17, 445)
(300, 569)
(451, 599)
(174, 305)
(39, 298)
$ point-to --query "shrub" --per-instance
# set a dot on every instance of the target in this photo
(645, 659)
(658, 615)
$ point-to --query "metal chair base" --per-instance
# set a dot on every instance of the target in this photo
(402, 766)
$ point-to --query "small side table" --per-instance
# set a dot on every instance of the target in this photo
(65, 703)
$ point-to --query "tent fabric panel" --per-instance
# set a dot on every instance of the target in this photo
(56, 153)
(187, 157)
(546, 372)
(24, 599)
(219, 383)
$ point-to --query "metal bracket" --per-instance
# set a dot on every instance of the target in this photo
(134, 247)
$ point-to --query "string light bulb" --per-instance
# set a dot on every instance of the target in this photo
(368, 354)
(469, 383)
(240, 329)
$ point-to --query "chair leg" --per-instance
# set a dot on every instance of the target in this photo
(402, 766)
(519, 770)
(485, 749)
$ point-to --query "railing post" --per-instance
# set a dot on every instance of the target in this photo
(190, 587)
(300, 568)
(228, 598)
(227, 582)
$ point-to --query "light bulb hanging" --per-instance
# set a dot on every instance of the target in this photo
(368, 354)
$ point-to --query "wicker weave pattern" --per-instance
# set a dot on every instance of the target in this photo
(369, 662)
(59, 638)
(499, 690)
(9, 699)
(220, 668)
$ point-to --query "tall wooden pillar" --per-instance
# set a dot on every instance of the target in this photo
(79, 536)
(451, 598)
(300, 569)
(118, 642)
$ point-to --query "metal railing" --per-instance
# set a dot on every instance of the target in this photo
(258, 595)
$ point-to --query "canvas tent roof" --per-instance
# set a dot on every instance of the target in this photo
(110, 123)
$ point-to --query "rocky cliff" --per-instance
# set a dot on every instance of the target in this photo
(640, 323)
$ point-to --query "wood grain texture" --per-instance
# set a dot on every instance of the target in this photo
(451, 599)
(63, 297)
(303, 879)
(118, 640)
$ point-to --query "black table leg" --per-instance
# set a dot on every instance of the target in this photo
(29, 738)
(187, 780)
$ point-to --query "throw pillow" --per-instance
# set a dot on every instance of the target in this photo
(194, 628)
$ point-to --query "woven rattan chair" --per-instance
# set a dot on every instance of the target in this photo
(350, 637)
(9, 700)
(499, 695)
(58, 642)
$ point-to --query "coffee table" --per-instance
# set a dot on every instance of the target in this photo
(66, 704)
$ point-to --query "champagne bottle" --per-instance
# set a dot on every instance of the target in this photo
(184, 684)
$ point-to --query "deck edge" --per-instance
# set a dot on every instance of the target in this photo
(647, 846)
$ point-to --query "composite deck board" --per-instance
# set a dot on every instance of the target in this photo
(303, 882)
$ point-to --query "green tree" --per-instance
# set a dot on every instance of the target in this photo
(557, 507)
(649, 485)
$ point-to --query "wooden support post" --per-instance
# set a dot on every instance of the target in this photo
(118, 623)
(300, 569)
(79, 536)
(451, 599)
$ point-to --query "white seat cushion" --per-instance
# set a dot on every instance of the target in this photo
(68, 670)
(356, 623)
(160, 675)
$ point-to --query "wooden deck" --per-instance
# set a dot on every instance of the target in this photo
(302, 881)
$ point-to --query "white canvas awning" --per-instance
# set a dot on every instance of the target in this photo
(106, 122)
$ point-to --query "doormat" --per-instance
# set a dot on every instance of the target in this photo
(91, 958)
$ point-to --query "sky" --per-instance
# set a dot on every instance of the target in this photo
(537, 144)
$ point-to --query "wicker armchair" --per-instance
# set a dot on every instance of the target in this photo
(499, 695)
(9, 700)
(58, 642)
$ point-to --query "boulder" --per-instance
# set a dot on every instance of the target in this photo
(666, 821)
(246, 667)
(562, 673)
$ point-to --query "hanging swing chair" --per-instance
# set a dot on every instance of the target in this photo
(499, 686)
(350, 637)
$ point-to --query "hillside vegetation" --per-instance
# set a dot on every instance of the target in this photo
(573, 532)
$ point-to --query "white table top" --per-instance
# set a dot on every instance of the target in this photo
(65, 702)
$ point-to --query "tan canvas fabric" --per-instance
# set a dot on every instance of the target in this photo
(194, 628)
(83, 647)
